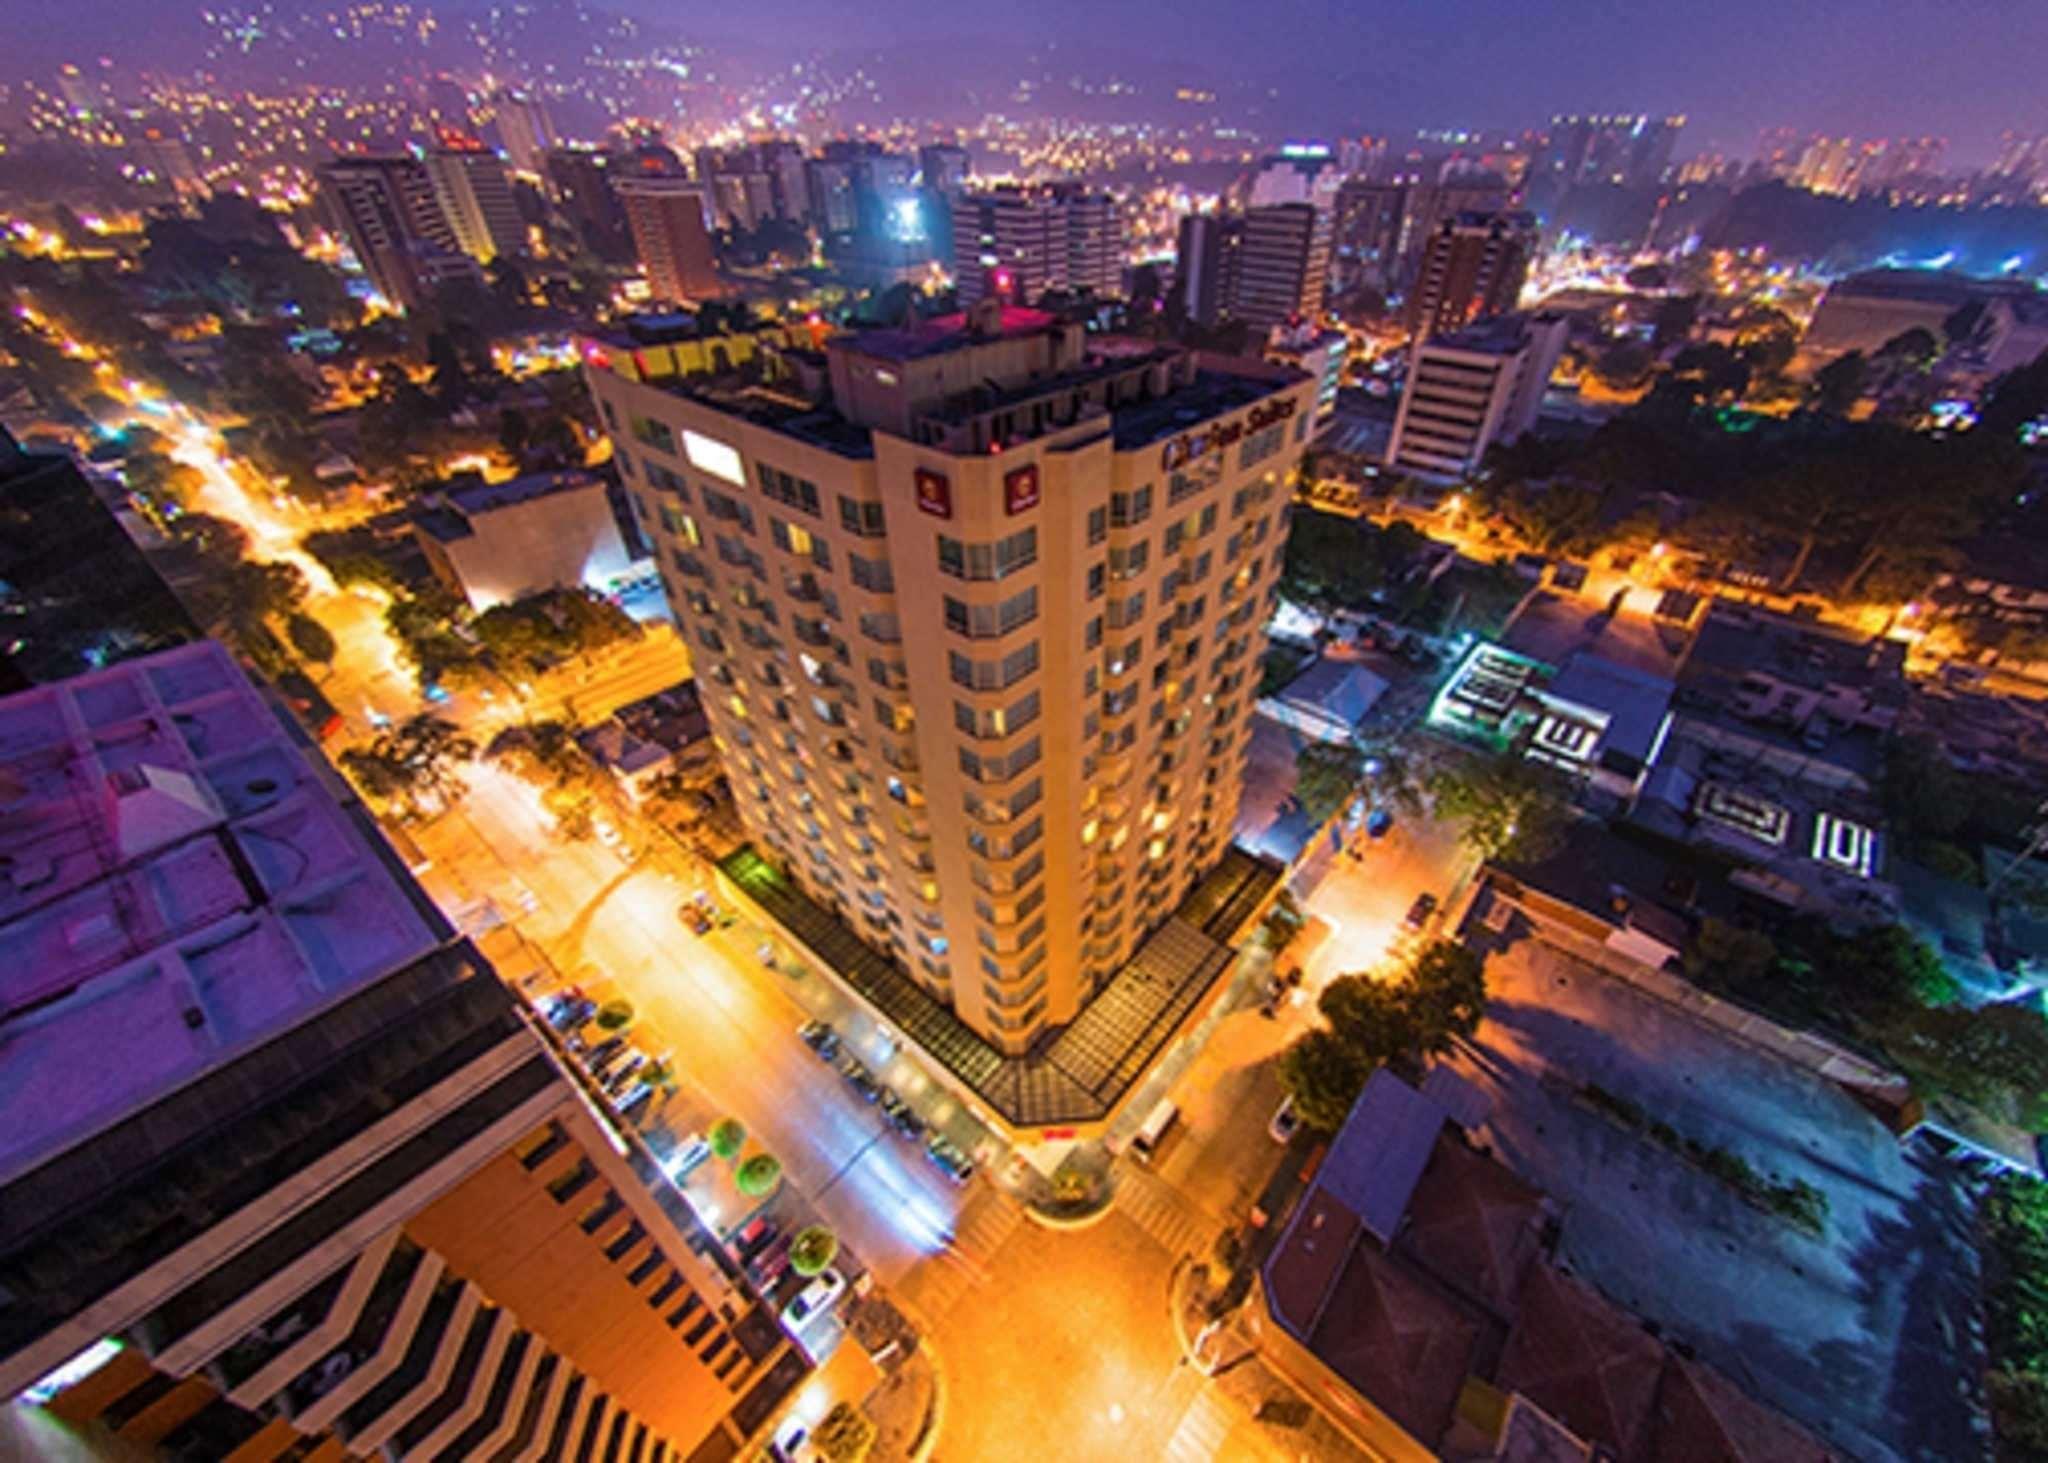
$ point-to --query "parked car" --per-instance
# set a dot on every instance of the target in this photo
(860, 1079)
(1420, 911)
(820, 1038)
(693, 916)
(755, 1236)
(635, 1101)
(787, 1445)
(603, 1055)
(687, 1156)
(615, 1080)
(1377, 822)
(900, 1116)
(814, 1299)
(771, 1262)
(1286, 1122)
(954, 1164)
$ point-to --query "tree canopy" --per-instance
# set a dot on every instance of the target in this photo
(1509, 805)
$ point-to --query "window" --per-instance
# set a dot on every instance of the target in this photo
(1128, 509)
(796, 539)
(1093, 635)
(988, 561)
(1000, 721)
(789, 490)
(994, 675)
(625, 462)
(857, 517)
(1096, 575)
(986, 621)
(719, 505)
(998, 769)
(872, 575)
(1127, 611)
(1098, 526)
(1127, 563)
(651, 432)
(1261, 445)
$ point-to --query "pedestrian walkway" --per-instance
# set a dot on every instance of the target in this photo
(1164, 1213)
(967, 1264)
(1204, 1429)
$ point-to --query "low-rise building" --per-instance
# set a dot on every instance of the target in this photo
(642, 742)
(496, 542)
(1414, 1285)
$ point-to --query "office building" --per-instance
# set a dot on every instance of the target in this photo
(388, 209)
(1470, 388)
(1264, 267)
(492, 543)
(669, 219)
(474, 193)
(1318, 354)
(75, 591)
(943, 167)
(300, 1178)
(1020, 242)
(1828, 165)
(977, 608)
(1614, 150)
(1366, 233)
(1301, 172)
(1473, 265)
(1432, 204)
(524, 127)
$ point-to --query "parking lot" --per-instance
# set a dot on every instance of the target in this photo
(1864, 1333)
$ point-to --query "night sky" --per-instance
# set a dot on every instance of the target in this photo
(1966, 69)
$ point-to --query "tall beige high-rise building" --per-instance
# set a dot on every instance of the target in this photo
(977, 608)
(475, 195)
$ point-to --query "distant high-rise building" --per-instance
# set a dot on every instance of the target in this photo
(2021, 155)
(833, 209)
(387, 207)
(475, 195)
(1023, 241)
(1630, 151)
(579, 180)
(1473, 266)
(301, 1178)
(1828, 165)
(447, 104)
(1361, 157)
(524, 127)
(943, 167)
(75, 591)
(1300, 172)
(1468, 389)
(671, 227)
(1365, 237)
(1899, 161)
(789, 188)
(1778, 150)
(1283, 265)
(164, 153)
(1265, 267)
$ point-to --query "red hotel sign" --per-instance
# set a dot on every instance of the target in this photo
(934, 493)
(1188, 447)
(1020, 488)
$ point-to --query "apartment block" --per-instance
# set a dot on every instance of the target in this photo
(387, 209)
(294, 1175)
(1472, 388)
(977, 607)
(1268, 266)
(1030, 240)
(474, 192)
(1473, 266)
(670, 220)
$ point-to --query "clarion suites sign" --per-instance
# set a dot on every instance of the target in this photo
(1187, 447)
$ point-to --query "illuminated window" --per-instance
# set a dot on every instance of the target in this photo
(708, 454)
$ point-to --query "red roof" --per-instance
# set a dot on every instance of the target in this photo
(1702, 1417)
(1474, 1225)
(1586, 1362)
(1399, 1340)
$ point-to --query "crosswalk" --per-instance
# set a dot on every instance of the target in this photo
(1164, 1213)
(1204, 1430)
(981, 1231)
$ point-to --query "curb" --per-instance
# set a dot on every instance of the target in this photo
(935, 1415)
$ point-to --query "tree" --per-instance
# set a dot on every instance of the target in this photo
(1324, 1076)
(1730, 956)
(310, 638)
(1888, 968)
(758, 1176)
(1674, 319)
(727, 1137)
(813, 1249)
(413, 763)
(1994, 1058)
(1839, 384)
(1325, 776)
(844, 1435)
(1625, 366)
(615, 1015)
(1447, 995)
(1511, 807)
(268, 587)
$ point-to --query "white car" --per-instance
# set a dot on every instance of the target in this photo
(1286, 1122)
(814, 1299)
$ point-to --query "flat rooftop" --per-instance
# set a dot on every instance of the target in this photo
(1087, 1066)
(179, 883)
(941, 334)
(1213, 393)
(1553, 627)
